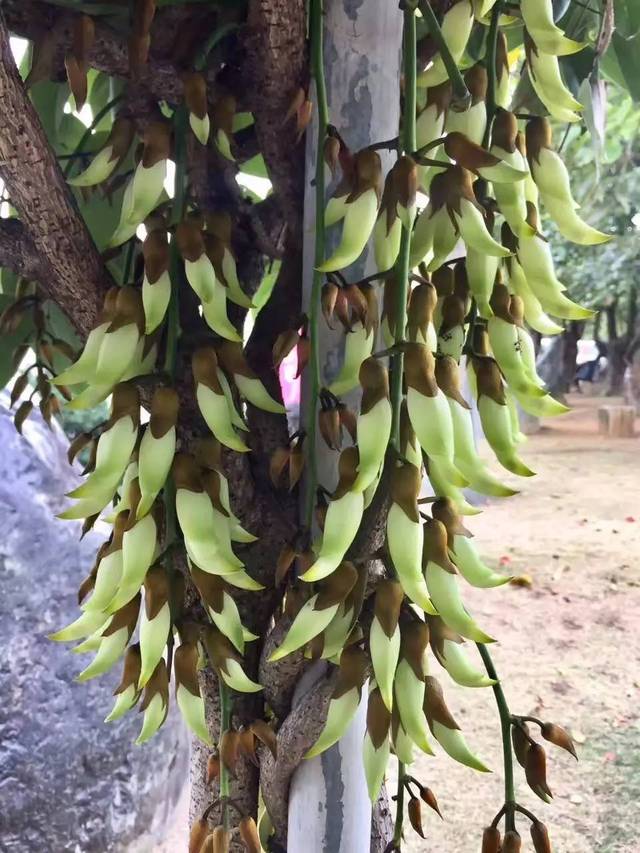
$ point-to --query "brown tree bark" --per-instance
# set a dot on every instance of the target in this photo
(618, 347)
(72, 269)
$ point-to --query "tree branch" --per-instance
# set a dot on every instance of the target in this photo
(297, 734)
(18, 252)
(280, 678)
(30, 19)
(72, 268)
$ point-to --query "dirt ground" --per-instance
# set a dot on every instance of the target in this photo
(568, 650)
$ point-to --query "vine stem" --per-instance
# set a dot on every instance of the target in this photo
(225, 723)
(86, 136)
(460, 92)
(177, 214)
(490, 62)
(397, 829)
(505, 724)
(407, 144)
(315, 380)
(173, 328)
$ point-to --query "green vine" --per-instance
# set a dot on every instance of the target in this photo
(315, 379)
(460, 92)
(407, 144)
(505, 725)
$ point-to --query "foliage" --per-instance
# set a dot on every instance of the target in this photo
(609, 193)
(187, 270)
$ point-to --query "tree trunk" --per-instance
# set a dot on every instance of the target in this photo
(616, 367)
(362, 90)
(572, 336)
(557, 365)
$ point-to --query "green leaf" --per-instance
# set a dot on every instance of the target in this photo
(627, 17)
(241, 121)
(256, 167)
(265, 288)
(628, 56)
(610, 68)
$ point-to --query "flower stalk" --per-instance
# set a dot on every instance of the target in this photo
(505, 724)
(492, 47)
(225, 723)
(461, 94)
(314, 374)
(403, 268)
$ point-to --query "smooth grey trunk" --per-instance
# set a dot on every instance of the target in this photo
(329, 808)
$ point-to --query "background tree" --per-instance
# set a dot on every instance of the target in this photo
(223, 90)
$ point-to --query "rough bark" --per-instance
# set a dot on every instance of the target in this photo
(18, 252)
(295, 737)
(557, 365)
(617, 364)
(160, 77)
(618, 355)
(72, 269)
(276, 65)
(381, 823)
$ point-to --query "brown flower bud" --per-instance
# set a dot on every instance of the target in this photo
(348, 421)
(221, 840)
(249, 834)
(491, 840)
(428, 797)
(521, 742)
(198, 835)
(535, 769)
(414, 810)
(558, 737)
(266, 735)
(284, 344)
(297, 102)
(330, 428)
(512, 843)
(540, 837)
(296, 462)
(230, 750)
(303, 117)
(247, 744)
(303, 353)
(328, 300)
(24, 410)
(213, 767)
(331, 153)
(277, 463)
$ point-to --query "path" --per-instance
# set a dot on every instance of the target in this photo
(568, 648)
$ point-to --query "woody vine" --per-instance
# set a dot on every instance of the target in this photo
(463, 273)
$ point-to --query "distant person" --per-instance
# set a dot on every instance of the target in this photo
(589, 371)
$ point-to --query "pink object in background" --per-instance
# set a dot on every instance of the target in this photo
(289, 383)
